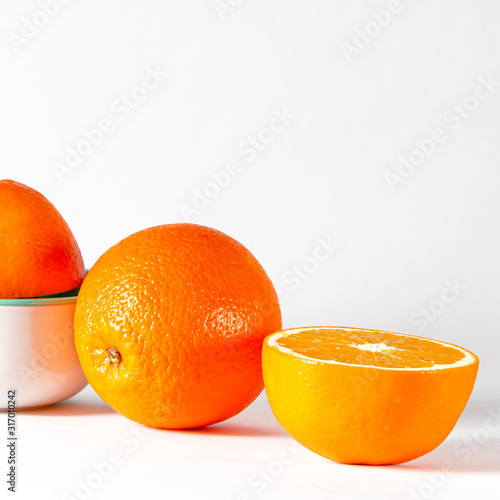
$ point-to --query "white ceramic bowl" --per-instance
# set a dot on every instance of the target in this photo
(37, 351)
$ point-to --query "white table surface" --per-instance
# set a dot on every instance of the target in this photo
(64, 446)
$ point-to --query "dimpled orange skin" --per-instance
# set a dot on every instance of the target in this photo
(362, 414)
(187, 308)
(40, 255)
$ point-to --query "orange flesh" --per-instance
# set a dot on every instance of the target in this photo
(381, 349)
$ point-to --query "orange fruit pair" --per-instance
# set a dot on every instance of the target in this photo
(366, 396)
(40, 255)
(169, 326)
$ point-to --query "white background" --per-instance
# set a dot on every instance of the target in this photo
(322, 178)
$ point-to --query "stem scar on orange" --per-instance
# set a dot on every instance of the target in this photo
(40, 255)
(366, 396)
(169, 326)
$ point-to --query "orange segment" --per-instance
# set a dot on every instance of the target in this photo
(366, 396)
(371, 348)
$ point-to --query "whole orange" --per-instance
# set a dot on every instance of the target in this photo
(40, 255)
(169, 326)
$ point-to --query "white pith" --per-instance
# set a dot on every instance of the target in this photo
(374, 347)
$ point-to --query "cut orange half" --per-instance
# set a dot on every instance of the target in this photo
(366, 396)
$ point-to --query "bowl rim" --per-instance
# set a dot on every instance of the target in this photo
(68, 297)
